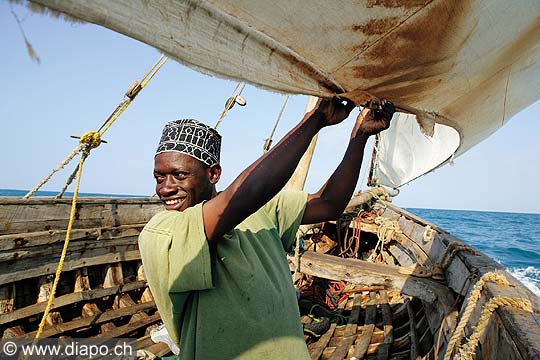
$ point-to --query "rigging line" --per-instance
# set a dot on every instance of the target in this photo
(230, 102)
(131, 93)
(87, 147)
(268, 142)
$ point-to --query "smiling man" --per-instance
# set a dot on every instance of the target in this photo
(216, 263)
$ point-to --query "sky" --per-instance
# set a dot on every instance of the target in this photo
(84, 71)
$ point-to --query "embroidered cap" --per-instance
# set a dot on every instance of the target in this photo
(193, 138)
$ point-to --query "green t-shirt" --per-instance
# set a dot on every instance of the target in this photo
(234, 302)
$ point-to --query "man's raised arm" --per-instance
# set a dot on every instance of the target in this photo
(262, 180)
(330, 201)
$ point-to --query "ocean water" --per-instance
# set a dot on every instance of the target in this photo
(512, 239)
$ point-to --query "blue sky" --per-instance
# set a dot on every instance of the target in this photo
(85, 70)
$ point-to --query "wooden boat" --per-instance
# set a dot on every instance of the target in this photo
(408, 289)
(391, 306)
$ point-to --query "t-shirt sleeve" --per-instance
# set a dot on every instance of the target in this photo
(176, 259)
(287, 210)
(174, 247)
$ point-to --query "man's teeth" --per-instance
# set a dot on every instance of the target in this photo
(172, 202)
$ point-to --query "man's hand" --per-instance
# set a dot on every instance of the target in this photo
(371, 122)
(332, 111)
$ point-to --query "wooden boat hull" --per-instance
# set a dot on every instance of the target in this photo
(388, 313)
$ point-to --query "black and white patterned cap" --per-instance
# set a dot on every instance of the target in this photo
(190, 137)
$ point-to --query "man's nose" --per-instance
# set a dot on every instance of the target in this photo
(166, 187)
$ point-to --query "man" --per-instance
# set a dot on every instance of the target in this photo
(216, 263)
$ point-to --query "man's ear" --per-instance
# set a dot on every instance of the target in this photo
(214, 173)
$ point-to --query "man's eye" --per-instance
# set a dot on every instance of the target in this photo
(159, 179)
(179, 176)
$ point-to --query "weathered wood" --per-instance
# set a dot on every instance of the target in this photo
(364, 340)
(113, 275)
(298, 178)
(370, 274)
(90, 310)
(30, 268)
(24, 240)
(69, 299)
(18, 215)
(382, 352)
(350, 330)
(104, 317)
(7, 296)
(82, 282)
(362, 199)
(403, 258)
(131, 327)
(45, 286)
(316, 349)
(13, 332)
(415, 345)
(46, 251)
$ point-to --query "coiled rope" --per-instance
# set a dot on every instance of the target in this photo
(87, 142)
(386, 231)
(474, 296)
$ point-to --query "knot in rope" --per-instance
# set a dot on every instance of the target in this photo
(91, 139)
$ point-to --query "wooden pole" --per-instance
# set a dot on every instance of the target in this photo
(298, 179)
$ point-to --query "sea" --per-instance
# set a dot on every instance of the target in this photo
(512, 239)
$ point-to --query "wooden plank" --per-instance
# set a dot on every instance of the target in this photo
(415, 345)
(19, 241)
(350, 330)
(92, 320)
(382, 352)
(365, 339)
(18, 215)
(45, 286)
(7, 297)
(402, 256)
(368, 274)
(69, 299)
(29, 268)
(46, 251)
(317, 349)
(131, 327)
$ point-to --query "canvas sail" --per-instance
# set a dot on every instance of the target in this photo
(473, 63)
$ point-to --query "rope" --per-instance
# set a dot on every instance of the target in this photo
(88, 141)
(87, 147)
(58, 168)
(386, 231)
(468, 350)
(268, 142)
(90, 138)
(474, 296)
(230, 102)
(451, 251)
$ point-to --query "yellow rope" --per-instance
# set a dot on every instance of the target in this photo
(89, 141)
(468, 350)
(132, 92)
(66, 241)
(474, 296)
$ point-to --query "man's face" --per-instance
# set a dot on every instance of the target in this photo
(181, 180)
